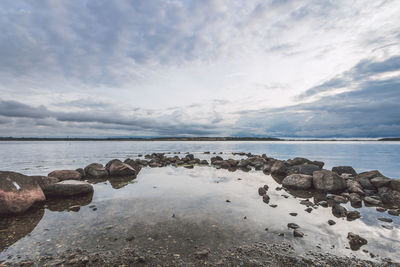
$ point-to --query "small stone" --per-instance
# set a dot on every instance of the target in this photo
(388, 220)
(380, 209)
(293, 226)
(228, 201)
(261, 191)
(273, 205)
(266, 229)
(389, 227)
(202, 254)
(323, 203)
(130, 238)
(353, 215)
(293, 214)
(266, 199)
(109, 227)
(331, 222)
(74, 208)
(298, 233)
(281, 234)
(356, 241)
(308, 210)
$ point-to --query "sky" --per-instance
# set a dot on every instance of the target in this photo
(279, 68)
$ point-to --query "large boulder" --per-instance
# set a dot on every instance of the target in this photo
(365, 178)
(95, 170)
(298, 181)
(297, 161)
(68, 188)
(344, 169)
(304, 169)
(279, 168)
(395, 184)
(328, 181)
(18, 193)
(44, 181)
(137, 164)
(380, 181)
(389, 196)
(63, 175)
(117, 168)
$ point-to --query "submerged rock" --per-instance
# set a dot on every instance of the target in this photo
(68, 188)
(356, 241)
(18, 193)
(328, 181)
(63, 175)
(298, 181)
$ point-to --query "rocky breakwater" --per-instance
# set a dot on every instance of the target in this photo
(19, 193)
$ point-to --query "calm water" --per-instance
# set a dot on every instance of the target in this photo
(177, 210)
(43, 157)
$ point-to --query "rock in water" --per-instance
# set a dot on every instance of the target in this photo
(298, 233)
(344, 169)
(63, 175)
(293, 226)
(262, 191)
(356, 241)
(353, 215)
(118, 169)
(298, 181)
(339, 211)
(278, 168)
(96, 170)
(266, 199)
(328, 181)
(68, 188)
(18, 192)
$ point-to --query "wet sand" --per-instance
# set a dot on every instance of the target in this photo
(178, 216)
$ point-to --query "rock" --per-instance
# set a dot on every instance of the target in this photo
(68, 188)
(204, 162)
(339, 211)
(380, 209)
(328, 181)
(394, 212)
(306, 202)
(273, 205)
(81, 171)
(320, 164)
(353, 215)
(298, 161)
(266, 187)
(356, 241)
(136, 164)
(293, 226)
(395, 184)
(304, 169)
(380, 181)
(344, 169)
(340, 199)
(74, 208)
(372, 201)
(388, 220)
(298, 181)
(298, 233)
(309, 210)
(118, 169)
(202, 254)
(323, 203)
(44, 181)
(389, 196)
(293, 214)
(389, 227)
(95, 170)
(368, 175)
(366, 184)
(278, 168)
(261, 191)
(331, 222)
(63, 175)
(355, 200)
(266, 199)
(354, 187)
(18, 193)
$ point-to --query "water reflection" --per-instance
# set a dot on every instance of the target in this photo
(179, 209)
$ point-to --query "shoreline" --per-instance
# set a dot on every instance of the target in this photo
(299, 186)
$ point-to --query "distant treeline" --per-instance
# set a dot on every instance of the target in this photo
(143, 139)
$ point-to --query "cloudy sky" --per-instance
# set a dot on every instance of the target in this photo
(200, 68)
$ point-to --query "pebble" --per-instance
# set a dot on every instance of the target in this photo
(331, 222)
(298, 233)
(293, 226)
(388, 220)
(293, 214)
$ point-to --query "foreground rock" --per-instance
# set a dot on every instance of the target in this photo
(18, 193)
(68, 188)
(63, 175)
(95, 170)
(328, 181)
(298, 181)
(344, 169)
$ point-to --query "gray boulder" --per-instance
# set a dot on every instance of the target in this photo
(18, 193)
(117, 168)
(354, 187)
(63, 175)
(96, 170)
(298, 181)
(339, 211)
(372, 201)
(328, 181)
(304, 169)
(380, 181)
(344, 169)
(68, 188)
(395, 184)
(389, 196)
(279, 168)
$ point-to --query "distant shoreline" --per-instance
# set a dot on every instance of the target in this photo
(187, 139)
